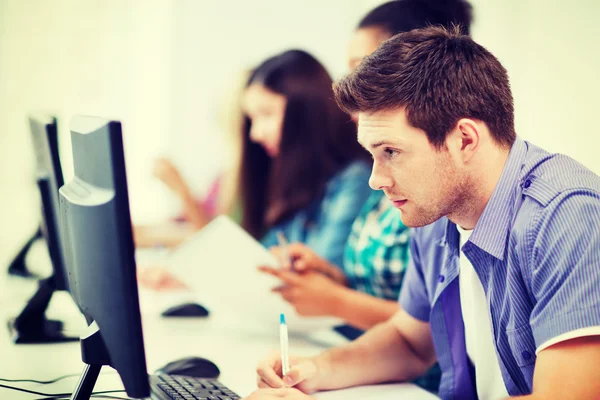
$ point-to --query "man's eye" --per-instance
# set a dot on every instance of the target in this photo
(391, 153)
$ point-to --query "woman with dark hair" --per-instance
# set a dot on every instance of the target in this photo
(302, 171)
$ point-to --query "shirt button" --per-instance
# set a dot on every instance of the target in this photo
(527, 183)
(442, 278)
(526, 355)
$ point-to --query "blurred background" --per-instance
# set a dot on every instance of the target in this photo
(163, 68)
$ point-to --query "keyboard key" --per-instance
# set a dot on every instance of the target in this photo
(189, 388)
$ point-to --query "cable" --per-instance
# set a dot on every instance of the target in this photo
(40, 382)
(100, 396)
(54, 395)
(60, 378)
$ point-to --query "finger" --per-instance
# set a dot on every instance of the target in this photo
(299, 249)
(289, 294)
(261, 384)
(276, 251)
(300, 265)
(268, 270)
(268, 371)
(278, 289)
(300, 372)
(171, 284)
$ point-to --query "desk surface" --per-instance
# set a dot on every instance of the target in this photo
(234, 345)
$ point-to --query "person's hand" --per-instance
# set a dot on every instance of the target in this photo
(311, 293)
(167, 173)
(285, 393)
(158, 278)
(304, 259)
(304, 374)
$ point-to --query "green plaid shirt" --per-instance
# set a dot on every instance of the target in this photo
(377, 255)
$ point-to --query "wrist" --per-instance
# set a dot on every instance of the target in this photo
(337, 302)
(325, 369)
(335, 273)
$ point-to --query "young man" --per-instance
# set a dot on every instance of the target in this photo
(504, 288)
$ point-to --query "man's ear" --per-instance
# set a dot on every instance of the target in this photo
(465, 140)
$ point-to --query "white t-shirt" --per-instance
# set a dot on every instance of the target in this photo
(479, 338)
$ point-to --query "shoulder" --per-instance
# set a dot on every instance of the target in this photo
(352, 180)
(560, 201)
(547, 178)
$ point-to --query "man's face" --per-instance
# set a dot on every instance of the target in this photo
(425, 184)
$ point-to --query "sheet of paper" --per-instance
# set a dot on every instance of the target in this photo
(219, 263)
(397, 391)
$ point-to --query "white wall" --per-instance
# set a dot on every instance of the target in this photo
(71, 57)
(159, 66)
(551, 50)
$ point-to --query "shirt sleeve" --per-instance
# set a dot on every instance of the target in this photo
(328, 235)
(413, 295)
(565, 277)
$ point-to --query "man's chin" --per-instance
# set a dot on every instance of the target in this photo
(415, 220)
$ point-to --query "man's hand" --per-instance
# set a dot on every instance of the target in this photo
(304, 374)
(286, 393)
(311, 294)
(306, 260)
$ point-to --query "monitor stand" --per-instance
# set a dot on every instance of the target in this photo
(32, 326)
(17, 266)
(95, 355)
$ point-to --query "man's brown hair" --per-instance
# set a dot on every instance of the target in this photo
(440, 76)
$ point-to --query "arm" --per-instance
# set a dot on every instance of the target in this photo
(362, 310)
(565, 282)
(191, 210)
(313, 294)
(397, 350)
(568, 370)
(400, 349)
(170, 176)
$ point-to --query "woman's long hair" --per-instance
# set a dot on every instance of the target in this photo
(318, 139)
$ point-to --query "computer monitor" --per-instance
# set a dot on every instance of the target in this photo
(31, 326)
(100, 261)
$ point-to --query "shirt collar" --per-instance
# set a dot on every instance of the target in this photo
(493, 226)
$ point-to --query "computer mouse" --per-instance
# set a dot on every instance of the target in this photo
(192, 366)
(186, 310)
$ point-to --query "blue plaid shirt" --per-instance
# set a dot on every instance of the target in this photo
(536, 250)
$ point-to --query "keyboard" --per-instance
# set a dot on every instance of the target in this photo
(175, 387)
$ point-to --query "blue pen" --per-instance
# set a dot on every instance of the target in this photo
(283, 340)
